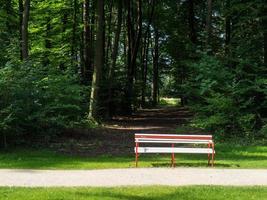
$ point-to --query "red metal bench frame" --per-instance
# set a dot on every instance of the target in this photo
(175, 138)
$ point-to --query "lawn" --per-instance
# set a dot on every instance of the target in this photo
(165, 101)
(137, 193)
(227, 156)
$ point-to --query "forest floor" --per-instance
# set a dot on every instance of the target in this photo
(116, 137)
(112, 146)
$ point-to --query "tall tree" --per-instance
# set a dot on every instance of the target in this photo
(114, 56)
(156, 68)
(191, 20)
(227, 27)
(99, 59)
(208, 23)
(264, 23)
(87, 57)
(145, 51)
(134, 37)
(20, 26)
(74, 33)
(24, 30)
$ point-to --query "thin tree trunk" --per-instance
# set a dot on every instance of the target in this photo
(20, 26)
(114, 57)
(8, 12)
(155, 68)
(99, 59)
(144, 59)
(74, 35)
(134, 37)
(208, 24)
(191, 19)
(109, 33)
(87, 70)
(227, 28)
(24, 30)
(265, 48)
(264, 22)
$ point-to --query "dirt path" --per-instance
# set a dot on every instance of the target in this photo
(163, 120)
(134, 177)
(116, 137)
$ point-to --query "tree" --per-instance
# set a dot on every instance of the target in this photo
(191, 21)
(134, 37)
(24, 30)
(156, 68)
(99, 59)
(209, 23)
(87, 70)
(114, 56)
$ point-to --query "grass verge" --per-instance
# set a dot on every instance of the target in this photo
(227, 156)
(137, 193)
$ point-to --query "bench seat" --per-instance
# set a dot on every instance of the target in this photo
(174, 150)
(202, 144)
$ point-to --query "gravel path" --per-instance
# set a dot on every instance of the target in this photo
(133, 177)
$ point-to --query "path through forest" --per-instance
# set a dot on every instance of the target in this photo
(116, 137)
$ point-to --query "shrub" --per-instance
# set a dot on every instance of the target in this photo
(39, 101)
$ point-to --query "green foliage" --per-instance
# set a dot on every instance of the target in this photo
(37, 100)
(230, 102)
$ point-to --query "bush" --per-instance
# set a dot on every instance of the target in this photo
(39, 101)
(229, 101)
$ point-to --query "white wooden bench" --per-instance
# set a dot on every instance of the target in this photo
(175, 139)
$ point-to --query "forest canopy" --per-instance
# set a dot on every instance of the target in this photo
(69, 63)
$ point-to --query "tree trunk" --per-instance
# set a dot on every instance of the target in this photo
(109, 33)
(227, 27)
(134, 37)
(191, 20)
(74, 35)
(144, 59)
(99, 59)
(20, 26)
(265, 33)
(155, 68)
(87, 70)
(265, 47)
(24, 30)
(8, 8)
(114, 58)
(208, 24)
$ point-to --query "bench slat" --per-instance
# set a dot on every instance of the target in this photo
(148, 134)
(172, 136)
(174, 150)
(175, 141)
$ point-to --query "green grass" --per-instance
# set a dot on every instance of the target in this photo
(137, 193)
(164, 101)
(227, 156)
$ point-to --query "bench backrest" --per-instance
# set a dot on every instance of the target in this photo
(172, 138)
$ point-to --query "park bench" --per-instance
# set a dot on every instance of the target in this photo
(171, 141)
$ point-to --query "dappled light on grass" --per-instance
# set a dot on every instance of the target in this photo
(227, 156)
(138, 193)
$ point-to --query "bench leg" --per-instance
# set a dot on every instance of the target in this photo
(173, 158)
(136, 154)
(213, 155)
(209, 155)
